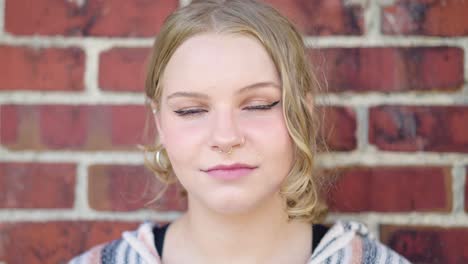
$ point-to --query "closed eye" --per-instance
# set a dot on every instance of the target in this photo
(185, 112)
(197, 111)
(262, 107)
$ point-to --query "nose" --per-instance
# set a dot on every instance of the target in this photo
(226, 132)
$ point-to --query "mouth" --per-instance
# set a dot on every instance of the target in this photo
(230, 172)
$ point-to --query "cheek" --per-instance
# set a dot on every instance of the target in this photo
(182, 139)
(270, 134)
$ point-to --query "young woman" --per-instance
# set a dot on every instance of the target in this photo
(233, 100)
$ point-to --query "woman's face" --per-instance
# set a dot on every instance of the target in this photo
(221, 94)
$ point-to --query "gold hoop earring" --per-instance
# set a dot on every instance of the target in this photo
(159, 161)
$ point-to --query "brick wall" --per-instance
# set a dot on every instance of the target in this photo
(72, 112)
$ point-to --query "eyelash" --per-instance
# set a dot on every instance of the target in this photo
(199, 111)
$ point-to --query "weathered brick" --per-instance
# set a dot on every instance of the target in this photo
(339, 131)
(54, 242)
(92, 18)
(8, 124)
(123, 69)
(320, 17)
(63, 126)
(127, 124)
(390, 189)
(47, 69)
(428, 244)
(421, 17)
(36, 185)
(128, 188)
(419, 128)
(74, 127)
(390, 69)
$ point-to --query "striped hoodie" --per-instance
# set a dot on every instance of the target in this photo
(345, 242)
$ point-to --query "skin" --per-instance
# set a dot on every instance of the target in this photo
(219, 92)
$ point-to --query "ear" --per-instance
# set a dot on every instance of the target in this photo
(157, 120)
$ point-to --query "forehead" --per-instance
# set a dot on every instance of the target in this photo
(224, 61)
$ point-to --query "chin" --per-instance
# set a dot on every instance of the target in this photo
(230, 203)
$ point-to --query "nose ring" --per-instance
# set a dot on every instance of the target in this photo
(228, 152)
(230, 149)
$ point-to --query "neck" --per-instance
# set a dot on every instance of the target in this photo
(245, 237)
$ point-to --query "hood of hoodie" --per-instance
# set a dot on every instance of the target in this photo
(338, 237)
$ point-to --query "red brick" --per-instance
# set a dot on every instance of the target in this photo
(74, 127)
(48, 69)
(428, 244)
(129, 188)
(123, 69)
(390, 69)
(54, 242)
(445, 18)
(419, 128)
(391, 189)
(339, 131)
(36, 185)
(322, 17)
(8, 124)
(94, 18)
(127, 122)
(63, 125)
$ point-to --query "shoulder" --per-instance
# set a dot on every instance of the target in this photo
(135, 246)
(351, 242)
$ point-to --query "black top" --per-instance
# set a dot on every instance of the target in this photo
(159, 233)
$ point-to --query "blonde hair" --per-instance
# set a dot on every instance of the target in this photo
(286, 48)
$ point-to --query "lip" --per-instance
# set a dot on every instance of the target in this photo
(230, 172)
(231, 167)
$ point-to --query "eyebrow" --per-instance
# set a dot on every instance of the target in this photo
(242, 90)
